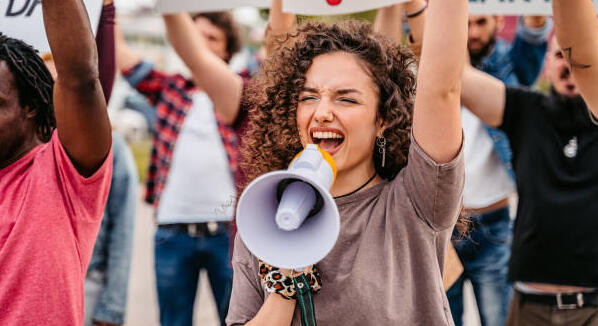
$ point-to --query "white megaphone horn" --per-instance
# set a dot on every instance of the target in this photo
(288, 218)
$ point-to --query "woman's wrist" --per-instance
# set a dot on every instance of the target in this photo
(415, 7)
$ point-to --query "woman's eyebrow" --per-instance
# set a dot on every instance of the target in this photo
(347, 91)
(309, 90)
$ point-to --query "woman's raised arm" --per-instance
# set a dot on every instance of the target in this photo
(436, 120)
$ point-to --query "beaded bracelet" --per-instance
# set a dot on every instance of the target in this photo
(276, 281)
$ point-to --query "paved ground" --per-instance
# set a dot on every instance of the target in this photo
(142, 303)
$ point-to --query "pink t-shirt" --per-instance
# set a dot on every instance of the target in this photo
(49, 219)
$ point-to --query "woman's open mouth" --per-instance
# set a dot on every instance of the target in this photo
(328, 139)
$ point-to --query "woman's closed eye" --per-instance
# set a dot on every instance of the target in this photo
(307, 98)
(348, 100)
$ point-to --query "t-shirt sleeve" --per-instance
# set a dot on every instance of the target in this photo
(435, 190)
(247, 294)
(84, 198)
(156, 85)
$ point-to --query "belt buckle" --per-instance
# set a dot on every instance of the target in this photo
(561, 306)
(192, 230)
(212, 228)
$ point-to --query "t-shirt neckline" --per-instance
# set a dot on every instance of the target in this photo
(360, 195)
(20, 161)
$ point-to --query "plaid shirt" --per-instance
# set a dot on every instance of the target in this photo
(171, 95)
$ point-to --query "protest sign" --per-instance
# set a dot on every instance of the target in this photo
(172, 6)
(512, 7)
(334, 7)
(23, 19)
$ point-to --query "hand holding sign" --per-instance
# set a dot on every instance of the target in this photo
(22, 19)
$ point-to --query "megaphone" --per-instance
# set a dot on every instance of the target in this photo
(288, 218)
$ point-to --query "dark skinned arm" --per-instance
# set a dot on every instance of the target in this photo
(79, 105)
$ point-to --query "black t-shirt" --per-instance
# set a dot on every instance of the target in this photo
(555, 158)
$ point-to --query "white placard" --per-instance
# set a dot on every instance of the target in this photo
(512, 7)
(172, 6)
(334, 7)
(23, 19)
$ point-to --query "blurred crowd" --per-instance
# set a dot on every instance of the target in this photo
(520, 182)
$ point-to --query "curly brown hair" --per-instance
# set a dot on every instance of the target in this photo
(272, 139)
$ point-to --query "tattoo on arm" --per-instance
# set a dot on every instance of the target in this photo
(573, 63)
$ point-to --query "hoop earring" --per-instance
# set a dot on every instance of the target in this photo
(381, 143)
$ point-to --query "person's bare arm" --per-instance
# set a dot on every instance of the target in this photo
(125, 57)
(389, 22)
(483, 95)
(576, 30)
(416, 23)
(279, 24)
(279, 21)
(276, 311)
(437, 119)
(79, 105)
(210, 73)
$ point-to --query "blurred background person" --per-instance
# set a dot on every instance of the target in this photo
(194, 159)
(489, 179)
(107, 280)
(555, 144)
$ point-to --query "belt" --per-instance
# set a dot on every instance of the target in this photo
(562, 301)
(207, 229)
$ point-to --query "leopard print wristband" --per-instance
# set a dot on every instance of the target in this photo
(276, 281)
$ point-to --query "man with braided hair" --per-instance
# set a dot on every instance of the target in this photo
(55, 169)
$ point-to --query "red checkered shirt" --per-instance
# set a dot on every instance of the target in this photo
(171, 95)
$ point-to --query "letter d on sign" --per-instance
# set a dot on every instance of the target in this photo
(10, 12)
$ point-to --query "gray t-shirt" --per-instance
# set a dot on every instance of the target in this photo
(386, 267)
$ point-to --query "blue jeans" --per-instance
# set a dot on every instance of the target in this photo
(179, 258)
(107, 278)
(485, 254)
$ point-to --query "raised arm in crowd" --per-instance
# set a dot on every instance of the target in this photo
(575, 30)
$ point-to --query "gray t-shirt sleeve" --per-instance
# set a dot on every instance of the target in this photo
(435, 190)
(247, 294)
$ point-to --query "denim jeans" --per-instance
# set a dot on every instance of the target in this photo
(94, 286)
(108, 272)
(179, 258)
(485, 254)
